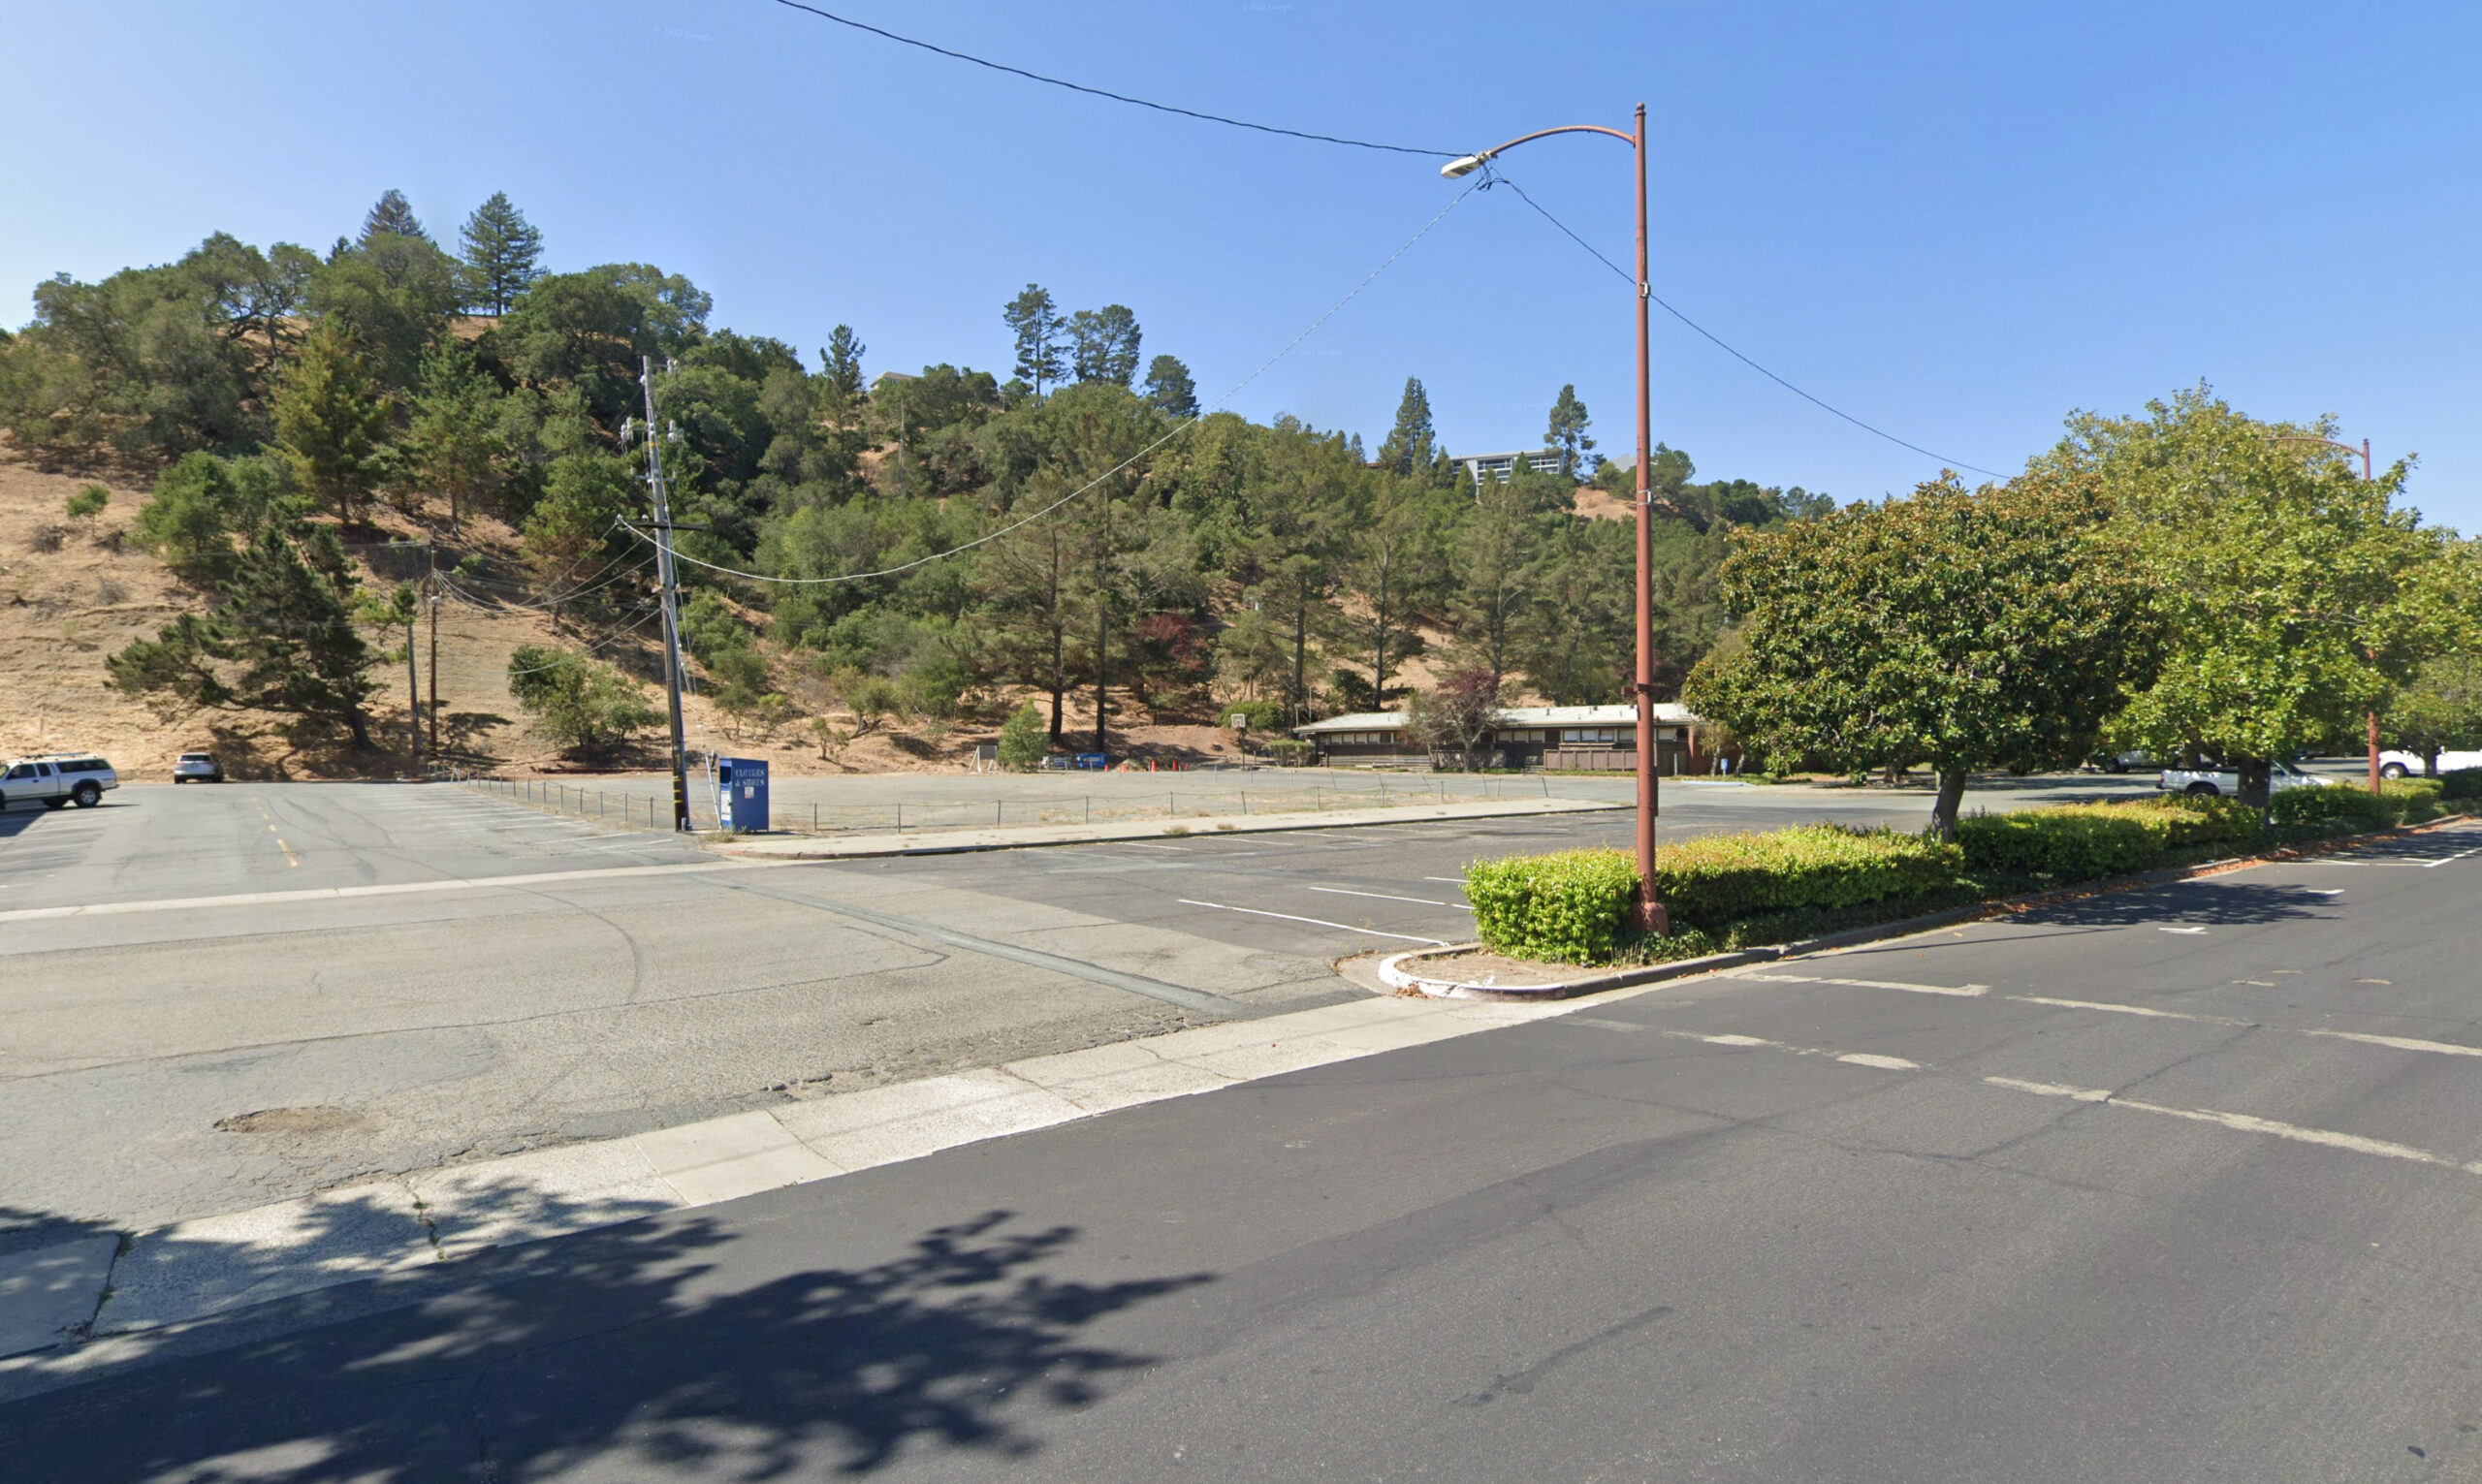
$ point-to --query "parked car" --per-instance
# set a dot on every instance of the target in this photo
(197, 768)
(2395, 762)
(2214, 782)
(2123, 761)
(58, 778)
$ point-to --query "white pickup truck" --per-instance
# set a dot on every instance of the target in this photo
(58, 778)
(2395, 764)
(2217, 782)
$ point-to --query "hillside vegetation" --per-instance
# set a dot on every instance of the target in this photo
(882, 569)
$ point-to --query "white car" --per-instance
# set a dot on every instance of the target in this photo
(2396, 763)
(58, 778)
(197, 768)
(2217, 782)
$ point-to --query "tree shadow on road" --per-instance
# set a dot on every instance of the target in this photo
(632, 1351)
(2211, 903)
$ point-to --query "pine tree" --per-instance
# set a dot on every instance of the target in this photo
(329, 416)
(391, 216)
(503, 255)
(1104, 345)
(1169, 387)
(1408, 446)
(282, 636)
(1035, 321)
(1567, 432)
(841, 363)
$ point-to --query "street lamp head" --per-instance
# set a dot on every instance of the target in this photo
(1466, 166)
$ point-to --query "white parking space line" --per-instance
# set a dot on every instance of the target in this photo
(1423, 901)
(1450, 880)
(2445, 859)
(2192, 932)
(1963, 991)
(1315, 922)
(2144, 1010)
(2241, 1123)
(2400, 1043)
(1753, 1043)
(390, 889)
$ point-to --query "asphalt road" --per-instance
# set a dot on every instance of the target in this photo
(495, 978)
(2174, 1185)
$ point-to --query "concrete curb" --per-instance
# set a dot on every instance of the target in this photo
(1392, 973)
(1025, 836)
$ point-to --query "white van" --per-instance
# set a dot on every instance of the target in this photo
(58, 778)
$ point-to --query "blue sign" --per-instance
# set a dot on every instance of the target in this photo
(1095, 761)
(741, 788)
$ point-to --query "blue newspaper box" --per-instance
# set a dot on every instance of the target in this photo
(1094, 761)
(742, 793)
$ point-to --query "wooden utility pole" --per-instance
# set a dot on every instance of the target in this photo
(431, 598)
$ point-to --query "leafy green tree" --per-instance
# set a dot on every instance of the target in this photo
(741, 683)
(454, 442)
(1575, 637)
(281, 637)
(1393, 569)
(1169, 387)
(1023, 740)
(199, 505)
(393, 295)
(2296, 594)
(587, 331)
(399, 610)
(1104, 344)
(1411, 446)
(503, 255)
(1495, 553)
(2439, 710)
(330, 415)
(1566, 433)
(392, 215)
(574, 528)
(1035, 323)
(587, 707)
(1962, 629)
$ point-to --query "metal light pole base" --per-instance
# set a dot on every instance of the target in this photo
(1648, 916)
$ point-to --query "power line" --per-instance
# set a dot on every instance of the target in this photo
(1080, 87)
(1177, 429)
(1495, 178)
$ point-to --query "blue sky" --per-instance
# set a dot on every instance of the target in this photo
(1956, 222)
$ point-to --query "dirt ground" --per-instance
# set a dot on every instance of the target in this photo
(73, 592)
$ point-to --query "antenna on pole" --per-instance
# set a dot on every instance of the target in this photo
(667, 594)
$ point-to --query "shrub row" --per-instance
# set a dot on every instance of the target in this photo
(2085, 842)
(1564, 907)
(1568, 907)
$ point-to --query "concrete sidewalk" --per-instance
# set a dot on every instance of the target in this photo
(74, 1307)
(816, 847)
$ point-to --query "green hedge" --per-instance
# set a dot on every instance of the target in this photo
(1716, 878)
(1564, 907)
(2462, 783)
(2334, 804)
(1567, 907)
(2086, 841)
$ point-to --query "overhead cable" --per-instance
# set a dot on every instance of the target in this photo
(1495, 178)
(1177, 429)
(1080, 87)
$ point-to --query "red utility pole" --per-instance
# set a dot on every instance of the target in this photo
(1647, 913)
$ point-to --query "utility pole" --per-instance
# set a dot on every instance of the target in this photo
(665, 595)
(430, 597)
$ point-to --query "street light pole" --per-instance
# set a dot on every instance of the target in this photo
(1646, 912)
(2370, 716)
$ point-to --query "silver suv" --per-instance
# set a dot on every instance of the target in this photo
(58, 778)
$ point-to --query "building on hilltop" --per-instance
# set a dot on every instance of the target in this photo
(1557, 739)
(1542, 460)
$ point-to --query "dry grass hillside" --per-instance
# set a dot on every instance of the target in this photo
(73, 592)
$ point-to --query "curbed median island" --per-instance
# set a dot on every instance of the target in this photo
(1545, 922)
